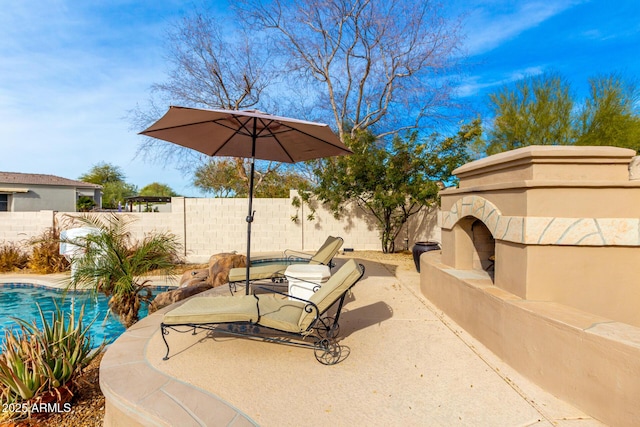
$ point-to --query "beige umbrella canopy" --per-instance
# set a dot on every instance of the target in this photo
(250, 134)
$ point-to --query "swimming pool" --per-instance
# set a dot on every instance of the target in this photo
(19, 300)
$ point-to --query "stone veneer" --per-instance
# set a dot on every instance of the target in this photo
(545, 230)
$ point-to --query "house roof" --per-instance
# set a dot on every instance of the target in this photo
(41, 179)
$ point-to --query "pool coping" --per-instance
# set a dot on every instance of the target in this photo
(61, 280)
(56, 281)
(136, 393)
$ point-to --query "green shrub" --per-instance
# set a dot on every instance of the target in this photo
(12, 258)
(85, 204)
(45, 257)
(38, 363)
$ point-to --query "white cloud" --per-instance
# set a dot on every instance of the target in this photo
(69, 74)
(477, 84)
(491, 23)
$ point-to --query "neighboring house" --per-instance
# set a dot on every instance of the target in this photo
(29, 192)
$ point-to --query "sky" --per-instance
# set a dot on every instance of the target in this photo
(72, 70)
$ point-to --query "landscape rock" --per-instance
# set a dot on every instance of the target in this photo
(221, 264)
(167, 298)
(195, 281)
(192, 277)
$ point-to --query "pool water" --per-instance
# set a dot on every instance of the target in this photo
(18, 300)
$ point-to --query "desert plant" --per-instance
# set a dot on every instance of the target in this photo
(40, 362)
(45, 256)
(115, 264)
(12, 257)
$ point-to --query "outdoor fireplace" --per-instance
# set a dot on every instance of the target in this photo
(561, 223)
(539, 261)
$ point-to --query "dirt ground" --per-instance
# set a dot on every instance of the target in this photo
(87, 406)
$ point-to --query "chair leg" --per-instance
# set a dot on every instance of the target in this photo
(165, 332)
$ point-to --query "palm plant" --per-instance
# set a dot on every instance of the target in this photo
(115, 264)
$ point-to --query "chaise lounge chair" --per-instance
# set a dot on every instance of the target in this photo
(295, 317)
(274, 268)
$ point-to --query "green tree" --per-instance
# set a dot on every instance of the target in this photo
(157, 189)
(541, 110)
(221, 178)
(538, 111)
(112, 180)
(114, 192)
(115, 264)
(102, 173)
(395, 182)
(279, 185)
(609, 115)
(454, 151)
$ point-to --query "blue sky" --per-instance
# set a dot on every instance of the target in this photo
(70, 70)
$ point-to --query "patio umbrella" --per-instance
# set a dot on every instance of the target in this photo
(250, 134)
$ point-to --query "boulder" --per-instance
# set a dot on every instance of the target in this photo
(167, 298)
(192, 277)
(219, 266)
(195, 281)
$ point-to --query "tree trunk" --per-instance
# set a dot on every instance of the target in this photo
(126, 307)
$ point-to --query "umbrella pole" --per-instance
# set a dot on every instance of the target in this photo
(249, 221)
(250, 214)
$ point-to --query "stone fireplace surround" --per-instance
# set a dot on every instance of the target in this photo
(541, 262)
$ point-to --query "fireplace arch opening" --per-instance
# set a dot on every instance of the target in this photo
(484, 245)
(475, 245)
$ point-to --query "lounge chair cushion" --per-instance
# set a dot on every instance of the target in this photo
(275, 312)
(327, 251)
(257, 273)
(280, 314)
(331, 291)
(214, 309)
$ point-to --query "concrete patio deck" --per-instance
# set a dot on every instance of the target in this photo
(408, 365)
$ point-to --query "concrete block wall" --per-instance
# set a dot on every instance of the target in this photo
(206, 226)
(21, 226)
(357, 230)
(140, 224)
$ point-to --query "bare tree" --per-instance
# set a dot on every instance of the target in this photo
(210, 70)
(381, 63)
(361, 64)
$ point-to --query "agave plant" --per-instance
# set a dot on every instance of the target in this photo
(36, 361)
(115, 264)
